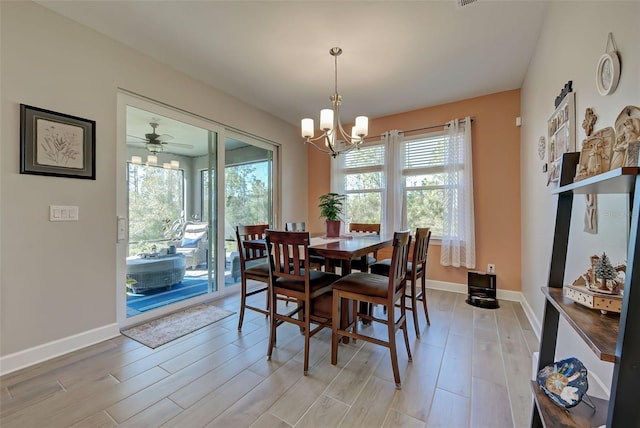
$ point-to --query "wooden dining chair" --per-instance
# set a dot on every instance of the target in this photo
(416, 270)
(375, 289)
(317, 262)
(292, 278)
(254, 265)
(373, 228)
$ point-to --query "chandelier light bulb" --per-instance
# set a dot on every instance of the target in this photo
(362, 126)
(326, 119)
(355, 138)
(307, 128)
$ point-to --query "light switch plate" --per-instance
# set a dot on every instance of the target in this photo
(63, 213)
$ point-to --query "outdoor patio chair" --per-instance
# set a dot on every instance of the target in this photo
(194, 244)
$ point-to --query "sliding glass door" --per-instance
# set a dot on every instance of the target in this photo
(186, 184)
(171, 251)
(248, 193)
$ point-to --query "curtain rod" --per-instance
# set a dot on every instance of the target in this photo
(435, 126)
(420, 129)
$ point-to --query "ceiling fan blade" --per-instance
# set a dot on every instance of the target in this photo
(186, 146)
(164, 137)
(135, 136)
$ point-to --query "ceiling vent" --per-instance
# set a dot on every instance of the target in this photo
(463, 3)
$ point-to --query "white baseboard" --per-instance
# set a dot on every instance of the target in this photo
(514, 296)
(28, 357)
(531, 316)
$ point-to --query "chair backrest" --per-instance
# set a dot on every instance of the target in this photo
(249, 252)
(421, 246)
(398, 268)
(365, 228)
(194, 233)
(291, 250)
(299, 226)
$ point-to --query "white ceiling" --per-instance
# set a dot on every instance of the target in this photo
(398, 56)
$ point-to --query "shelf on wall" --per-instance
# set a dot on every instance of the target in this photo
(619, 180)
(599, 331)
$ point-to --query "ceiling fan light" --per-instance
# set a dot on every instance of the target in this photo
(154, 147)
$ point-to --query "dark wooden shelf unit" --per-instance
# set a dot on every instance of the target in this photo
(612, 337)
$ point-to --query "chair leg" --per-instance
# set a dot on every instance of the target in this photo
(273, 323)
(268, 302)
(424, 298)
(354, 309)
(403, 326)
(335, 324)
(307, 328)
(392, 346)
(243, 298)
(414, 308)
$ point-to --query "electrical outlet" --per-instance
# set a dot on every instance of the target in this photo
(491, 268)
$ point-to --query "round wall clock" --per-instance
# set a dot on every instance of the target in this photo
(608, 73)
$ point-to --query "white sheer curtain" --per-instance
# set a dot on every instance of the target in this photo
(458, 240)
(393, 201)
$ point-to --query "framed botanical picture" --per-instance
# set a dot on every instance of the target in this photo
(56, 144)
(561, 135)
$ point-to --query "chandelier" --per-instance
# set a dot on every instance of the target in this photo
(332, 131)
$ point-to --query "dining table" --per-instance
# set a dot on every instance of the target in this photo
(347, 248)
(344, 248)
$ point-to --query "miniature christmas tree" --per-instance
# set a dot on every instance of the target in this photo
(604, 270)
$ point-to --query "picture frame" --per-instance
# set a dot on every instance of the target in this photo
(561, 135)
(56, 144)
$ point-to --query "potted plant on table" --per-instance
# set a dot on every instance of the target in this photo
(331, 206)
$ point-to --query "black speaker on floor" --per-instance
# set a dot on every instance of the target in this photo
(482, 290)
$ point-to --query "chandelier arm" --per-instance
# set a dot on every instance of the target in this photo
(319, 137)
(333, 153)
(346, 136)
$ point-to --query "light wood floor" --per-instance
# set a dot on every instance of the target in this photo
(470, 369)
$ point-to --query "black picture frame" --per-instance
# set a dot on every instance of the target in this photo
(56, 144)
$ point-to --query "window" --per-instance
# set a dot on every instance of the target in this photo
(363, 183)
(156, 196)
(247, 193)
(417, 181)
(424, 177)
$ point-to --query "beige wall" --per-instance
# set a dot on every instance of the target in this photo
(573, 38)
(59, 279)
(496, 175)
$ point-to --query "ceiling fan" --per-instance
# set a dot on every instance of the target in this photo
(155, 142)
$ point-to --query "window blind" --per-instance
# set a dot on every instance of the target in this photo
(424, 153)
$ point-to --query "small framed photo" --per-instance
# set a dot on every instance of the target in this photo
(56, 144)
(561, 135)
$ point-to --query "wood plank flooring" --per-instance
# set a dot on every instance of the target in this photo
(471, 368)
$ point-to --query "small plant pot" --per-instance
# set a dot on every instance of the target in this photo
(333, 228)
